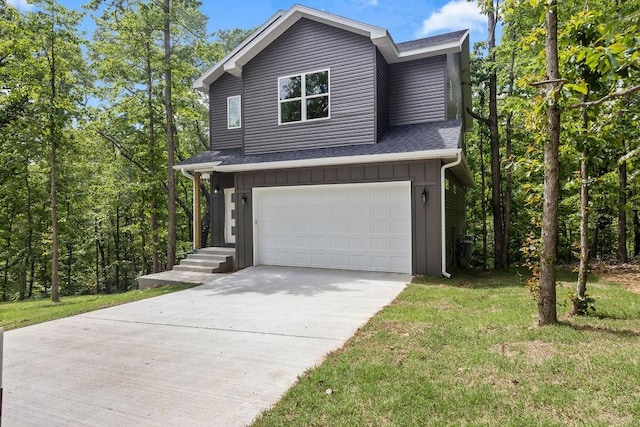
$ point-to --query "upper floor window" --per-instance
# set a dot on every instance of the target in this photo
(303, 97)
(234, 108)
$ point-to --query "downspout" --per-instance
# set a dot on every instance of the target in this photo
(443, 212)
(187, 174)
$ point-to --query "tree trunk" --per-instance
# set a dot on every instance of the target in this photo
(483, 193)
(581, 287)
(636, 233)
(171, 213)
(508, 191)
(547, 310)
(117, 246)
(5, 282)
(496, 179)
(155, 240)
(594, 240)
(28, 260)
(97, 242)
(55, 297)
(583, 269)
(623, 255)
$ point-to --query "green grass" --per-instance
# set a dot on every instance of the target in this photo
(23, 313)
(467, 351)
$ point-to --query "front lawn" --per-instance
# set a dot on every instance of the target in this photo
(23, 313)
(467, 351)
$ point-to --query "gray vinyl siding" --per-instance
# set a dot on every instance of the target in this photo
(306, 47)
(425, 217)
(455, 217)
(417, 91)
(382, 94)
(220, 136)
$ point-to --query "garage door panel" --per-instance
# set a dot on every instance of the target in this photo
(352, 226)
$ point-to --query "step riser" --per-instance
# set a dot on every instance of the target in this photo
(199, 269)
(217, 251)
(207, 257)
(208, 260)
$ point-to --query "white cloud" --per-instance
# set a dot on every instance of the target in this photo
(20, 4)
(372, 2)
(455, 15)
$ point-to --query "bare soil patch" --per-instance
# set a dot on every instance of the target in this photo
(624, 274)
(532, 351)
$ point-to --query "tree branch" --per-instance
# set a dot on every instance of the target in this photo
(546, 82)
(603, 99)
(478, 117)
(114, 141)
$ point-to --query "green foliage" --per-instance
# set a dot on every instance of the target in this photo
(18, 314)
(584, 305)
(110, 166)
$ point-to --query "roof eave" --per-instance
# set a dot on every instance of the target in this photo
(203, 82)
(293, 15)
(445, 154)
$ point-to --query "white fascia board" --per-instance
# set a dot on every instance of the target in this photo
(447, 156)
(289, 18)
(197, 167)
(426, 52)
(338, 161)
(214, 73)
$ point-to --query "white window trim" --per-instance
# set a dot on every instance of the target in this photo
(229, 98)
(303, 97)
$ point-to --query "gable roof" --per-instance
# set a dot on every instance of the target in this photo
(275, 26)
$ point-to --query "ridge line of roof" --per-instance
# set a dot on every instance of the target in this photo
(381, 37)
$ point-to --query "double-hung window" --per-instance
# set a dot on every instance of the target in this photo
(303, 97)
(234, 112)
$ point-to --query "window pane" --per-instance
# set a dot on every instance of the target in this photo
(318, 107)
(290, 111)
(290, 87)
(317, 83)
(233, 113)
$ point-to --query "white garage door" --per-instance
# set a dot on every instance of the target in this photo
(346, 226)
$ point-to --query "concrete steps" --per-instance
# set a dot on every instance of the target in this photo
(208, 260)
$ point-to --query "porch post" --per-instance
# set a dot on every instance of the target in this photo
(196, 211)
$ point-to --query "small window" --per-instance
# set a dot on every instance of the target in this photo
(303, 97)
(234, 108)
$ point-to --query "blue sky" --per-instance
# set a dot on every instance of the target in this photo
(405, 19)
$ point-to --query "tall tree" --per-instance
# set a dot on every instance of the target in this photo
(168, 105)
(547, 311)
(501, 254)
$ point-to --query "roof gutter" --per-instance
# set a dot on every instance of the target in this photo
(185, 173)
(443, 248)
(323, 161)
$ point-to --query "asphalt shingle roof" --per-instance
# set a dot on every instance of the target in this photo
(397, 139)
(431, 41)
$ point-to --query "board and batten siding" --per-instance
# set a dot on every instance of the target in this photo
(425, 217)
(220, 136)
(310, 46)
(382, 94)
(417, 91)
(455, 217)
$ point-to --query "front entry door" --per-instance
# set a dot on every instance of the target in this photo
(229, 215)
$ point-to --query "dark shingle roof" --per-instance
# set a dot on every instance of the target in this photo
(431, 41)
(397, 139)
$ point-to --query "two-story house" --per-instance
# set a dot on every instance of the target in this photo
(332, 146)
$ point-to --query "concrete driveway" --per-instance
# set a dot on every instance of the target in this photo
(216, 354)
